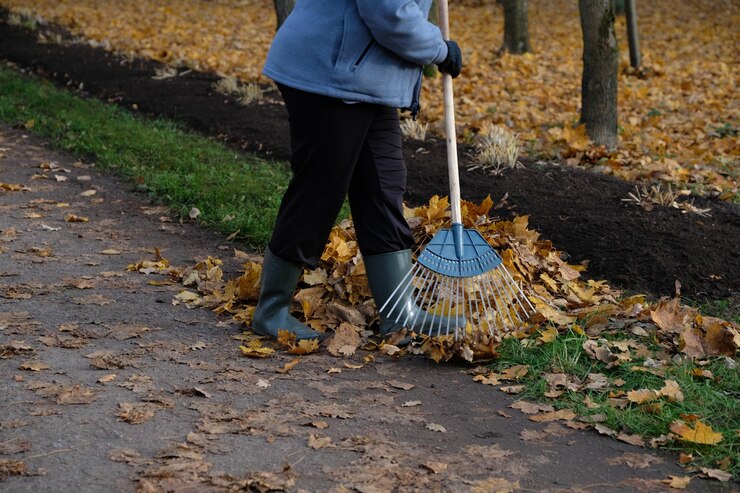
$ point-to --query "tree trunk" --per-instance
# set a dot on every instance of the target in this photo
(516, 28)
(600, 69)
(632, 34)
(282, 9)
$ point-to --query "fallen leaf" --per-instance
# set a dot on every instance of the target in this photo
(717, 474)
(72, 218)
(677, 482)
(531, 407)
(33, 366)
(76, 395)
(436, 427)
(699, 433)
(316, 442)
(435, 467)
(107, 378)
(289, 365)
(136, 413)
(14, 446)
(401, 385)
(564, 414)
(345, 341)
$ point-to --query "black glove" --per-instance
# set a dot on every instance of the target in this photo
(453, 63)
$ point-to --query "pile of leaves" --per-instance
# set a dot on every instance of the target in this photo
(678, 117)
(335, 297)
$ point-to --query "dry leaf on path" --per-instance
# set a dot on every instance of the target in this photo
(136, 413)
(401, 385)
(436, 427)
(345, 341)
(531, 407)
(564, 414)
(316, 442)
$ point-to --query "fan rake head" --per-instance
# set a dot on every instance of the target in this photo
(460, 278)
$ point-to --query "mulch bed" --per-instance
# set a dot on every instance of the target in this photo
(581, 212)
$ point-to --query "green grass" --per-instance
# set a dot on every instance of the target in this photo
(724, 309)
(714, 400)
(176, 167)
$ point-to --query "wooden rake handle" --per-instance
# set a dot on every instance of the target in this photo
(451, 138)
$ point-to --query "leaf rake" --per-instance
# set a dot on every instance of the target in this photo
(458, 274)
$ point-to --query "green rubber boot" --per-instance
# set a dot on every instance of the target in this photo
(384, 273)
(277, 284)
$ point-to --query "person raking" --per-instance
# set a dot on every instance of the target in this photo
(344, 68)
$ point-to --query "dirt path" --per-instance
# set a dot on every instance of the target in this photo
(581, 212)
(107, 386)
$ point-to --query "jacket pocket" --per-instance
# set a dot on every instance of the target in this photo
(363, 54)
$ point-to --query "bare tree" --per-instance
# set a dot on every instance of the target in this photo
(600, 70)
(282, 9)
(516, 26)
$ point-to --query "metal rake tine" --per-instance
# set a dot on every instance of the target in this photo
(532, 309)
(434, 289)
(494, 287)
(515, 295)
(440, 293)
(505, 295)
(510, 297)
(475, 301)
(393, 294)
(487, 308)
(402, 294)
(434, 284)
(457, 308)
(421, 295)
(446, 285)
(468, 285)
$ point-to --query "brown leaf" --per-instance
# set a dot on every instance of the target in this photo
(564, 414)
(316, 442)
(14, 446)
(76, 395)
(677, 482)
(531, 407)
(33, 366)
(289, 365)
(435, 467)
(345, 341)
(136, 413)
(635, 460)
(401, 385)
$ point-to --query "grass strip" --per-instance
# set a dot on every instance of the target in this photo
(711, 391)
(234, 192)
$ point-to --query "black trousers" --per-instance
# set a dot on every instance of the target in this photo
(340, 150)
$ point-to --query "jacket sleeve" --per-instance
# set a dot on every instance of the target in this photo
(402, 27)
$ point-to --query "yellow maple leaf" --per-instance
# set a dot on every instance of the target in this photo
(576, 138)
(305, 346)
(548, 335)
(642, 395)
(256, 352)
(699, 433)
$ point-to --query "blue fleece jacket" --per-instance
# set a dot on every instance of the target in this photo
(357, 50)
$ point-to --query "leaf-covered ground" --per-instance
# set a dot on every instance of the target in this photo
(109, 386)
(335, 298)
(678, 115)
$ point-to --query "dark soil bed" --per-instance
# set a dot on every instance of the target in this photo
(581, 212)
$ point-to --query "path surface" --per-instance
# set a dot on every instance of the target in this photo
(88, 350)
